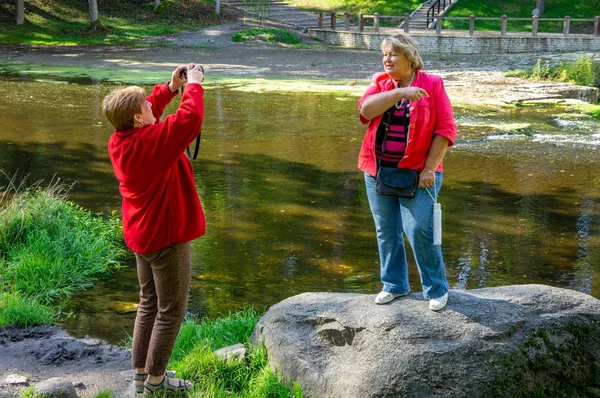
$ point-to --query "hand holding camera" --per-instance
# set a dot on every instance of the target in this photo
(191, 73)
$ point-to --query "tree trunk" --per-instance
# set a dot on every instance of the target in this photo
(218, 7)
(94, 14)
(156, 4)
(20, 12)
(540, 4)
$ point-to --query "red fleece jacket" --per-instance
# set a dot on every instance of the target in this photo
(160, 202)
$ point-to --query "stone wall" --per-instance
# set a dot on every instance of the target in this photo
(465, 44)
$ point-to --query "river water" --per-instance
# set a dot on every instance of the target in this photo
(285, 203)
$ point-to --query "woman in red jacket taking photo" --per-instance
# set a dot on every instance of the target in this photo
(410, 126)
(161, 212)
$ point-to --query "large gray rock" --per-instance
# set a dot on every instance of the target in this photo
(493, 342)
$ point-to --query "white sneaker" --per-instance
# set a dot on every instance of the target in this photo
(386, 297)
(438, 303)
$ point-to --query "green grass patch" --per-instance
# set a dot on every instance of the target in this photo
(18, 310)
(387, 7)
(193, 358)
(584, 71)
(582, 9)
(272, 35)
(49, 248)
(589, 109)
(66, 22)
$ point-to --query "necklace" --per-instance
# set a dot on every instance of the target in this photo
(402, 102)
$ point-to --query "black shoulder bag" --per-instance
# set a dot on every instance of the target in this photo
(394, 181)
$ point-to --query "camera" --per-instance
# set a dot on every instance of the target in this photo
(183, 74)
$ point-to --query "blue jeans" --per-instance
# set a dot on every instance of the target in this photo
(394, 217)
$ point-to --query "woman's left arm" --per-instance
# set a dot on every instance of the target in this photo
(437, 151)
(444, 133)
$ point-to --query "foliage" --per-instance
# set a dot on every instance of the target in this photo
(594, 111)
(267, 34)
(523, 9)
(583, 71)
(17, 310)
(383, 7)
(194, 360)
(66, 22)
(49, 247)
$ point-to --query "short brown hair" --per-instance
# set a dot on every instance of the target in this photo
(121, 105)
(405, 44)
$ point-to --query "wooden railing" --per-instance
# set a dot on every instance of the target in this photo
(535, 20)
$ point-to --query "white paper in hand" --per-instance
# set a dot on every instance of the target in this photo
(437, 224)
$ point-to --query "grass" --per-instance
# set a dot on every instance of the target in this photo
(589, 109)
(584, 71)
(193, 358)
(49, 248)
(583, 9)
(388, 7)
(267, 34)
(66, 22)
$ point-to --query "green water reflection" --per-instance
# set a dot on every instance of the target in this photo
(286, 207)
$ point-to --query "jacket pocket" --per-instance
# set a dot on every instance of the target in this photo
(424, 115)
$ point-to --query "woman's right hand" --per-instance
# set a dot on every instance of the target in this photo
(413, 93)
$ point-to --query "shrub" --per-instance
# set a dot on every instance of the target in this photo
(583, 71)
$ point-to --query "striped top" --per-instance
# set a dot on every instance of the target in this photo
(395, 144)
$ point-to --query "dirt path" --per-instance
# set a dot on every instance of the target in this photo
(42, 353)
(29, 356)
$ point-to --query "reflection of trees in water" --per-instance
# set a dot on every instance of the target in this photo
(516, 225)
(584, 270)
(84, 164)
(280, 228)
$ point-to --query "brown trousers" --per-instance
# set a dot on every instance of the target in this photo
(164, 278)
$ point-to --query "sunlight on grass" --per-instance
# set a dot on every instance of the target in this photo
(193, 359)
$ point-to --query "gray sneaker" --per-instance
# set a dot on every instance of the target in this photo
(386, 297)
(438, 303)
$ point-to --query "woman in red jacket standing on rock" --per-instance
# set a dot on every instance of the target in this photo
(410, 126)
(161, 212)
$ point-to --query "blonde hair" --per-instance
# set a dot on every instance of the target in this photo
(121, 105)
(405, 44)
